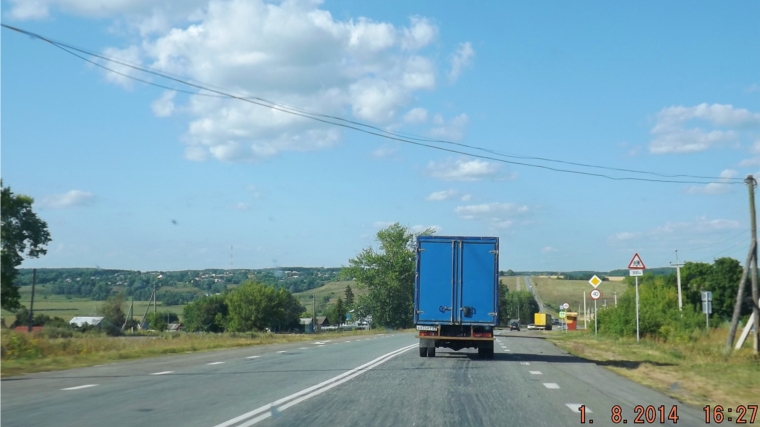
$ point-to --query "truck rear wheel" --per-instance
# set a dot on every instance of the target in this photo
(423, 351)
(431, 352)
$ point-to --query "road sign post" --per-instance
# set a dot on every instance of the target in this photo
(707, 306)
(636, 268)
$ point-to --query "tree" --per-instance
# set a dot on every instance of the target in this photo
(349, 296)
(254, 306)
(388, 276)
(161, 319)
(337, 314)
(207, 314)
(23, 234)
(113, 314)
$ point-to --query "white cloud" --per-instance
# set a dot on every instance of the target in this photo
(465, 197)
(240, 207)
(755, 147)
(164, 106)
(255, 191)
(67, 200)
(442, 195)
(700, 225)
(715, 187)
(754, 161)
(416, 115)
(547, 250)
(28, 9)
(672, 136)
(382, 224)
(497, 215)
(454, 129)
(460, 59)
(129, 55)
(626, 235)
(464, 170)
(753, 88)
(416, 229)
(384, 152)
(291, 52)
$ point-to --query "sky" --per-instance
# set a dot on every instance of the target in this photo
(129, 175)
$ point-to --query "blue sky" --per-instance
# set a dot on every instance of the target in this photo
(663, 87)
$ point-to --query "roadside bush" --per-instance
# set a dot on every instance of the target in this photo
(52, 331)
(659, 316)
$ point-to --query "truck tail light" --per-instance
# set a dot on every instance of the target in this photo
(427, 333)
(482, 334)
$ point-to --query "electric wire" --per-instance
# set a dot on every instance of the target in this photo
(358, 126)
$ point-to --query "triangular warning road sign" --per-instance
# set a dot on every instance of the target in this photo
(636, 263)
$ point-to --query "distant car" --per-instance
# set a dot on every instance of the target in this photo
(514, 327)
(531, 326)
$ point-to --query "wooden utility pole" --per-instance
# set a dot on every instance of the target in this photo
(752, 184)
(749, 266)
(31, 304)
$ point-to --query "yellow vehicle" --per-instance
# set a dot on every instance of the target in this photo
(542, 321)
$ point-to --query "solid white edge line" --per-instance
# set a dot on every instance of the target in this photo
(316, 392)
(163, 373)
(574, 407)
(282, 351)
(215, 363)
(79, 387)
(252, 357)
(312, 388)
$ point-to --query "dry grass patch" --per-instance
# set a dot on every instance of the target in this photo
(694, 371)
(24, 353)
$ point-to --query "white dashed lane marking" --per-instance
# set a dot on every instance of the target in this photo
(282, 351)
(321, 345)
(163, 373)
(525, 363)
(304, 348)
(252, 357)
(79, 387)
(551, 385)
(216, 363)
(575, 407)
(536, 372)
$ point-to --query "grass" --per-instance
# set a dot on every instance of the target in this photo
(554, 292)
(332, 290)
(515, 283)
(694, 372)
(58, 305)
(24, 353)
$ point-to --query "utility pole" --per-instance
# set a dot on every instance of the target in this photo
(755, 292)
(313, 313)
(678, 266)
(615, 298)
(585, 312)
(750, 265)
(31, 304)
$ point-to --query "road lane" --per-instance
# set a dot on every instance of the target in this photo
(194, 394)
(530, 382)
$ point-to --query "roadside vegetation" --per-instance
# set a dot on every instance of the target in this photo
(678, 353)
(52, 349)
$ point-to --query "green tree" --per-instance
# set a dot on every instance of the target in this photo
(113, 314)
(349, 296)
(206, 314)
(161, 319)
(337, 314)
(254, 306)
(23, 234)
(388, 276)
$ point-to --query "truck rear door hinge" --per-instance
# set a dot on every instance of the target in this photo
(495, 252)
(420, 312)
(492, 314)
(420, 250)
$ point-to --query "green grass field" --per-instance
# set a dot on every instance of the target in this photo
(332, 289)
(58, 305)
(513, 283)
(554, 292)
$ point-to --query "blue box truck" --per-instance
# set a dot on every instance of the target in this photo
(456, 293)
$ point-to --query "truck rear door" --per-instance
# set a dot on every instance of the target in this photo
(477, 277)
(435, 290)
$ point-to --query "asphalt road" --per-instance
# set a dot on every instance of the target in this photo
(373, 381)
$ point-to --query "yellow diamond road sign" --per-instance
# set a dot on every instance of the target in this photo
(595, 281)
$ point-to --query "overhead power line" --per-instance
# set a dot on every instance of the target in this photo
(362, 127)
